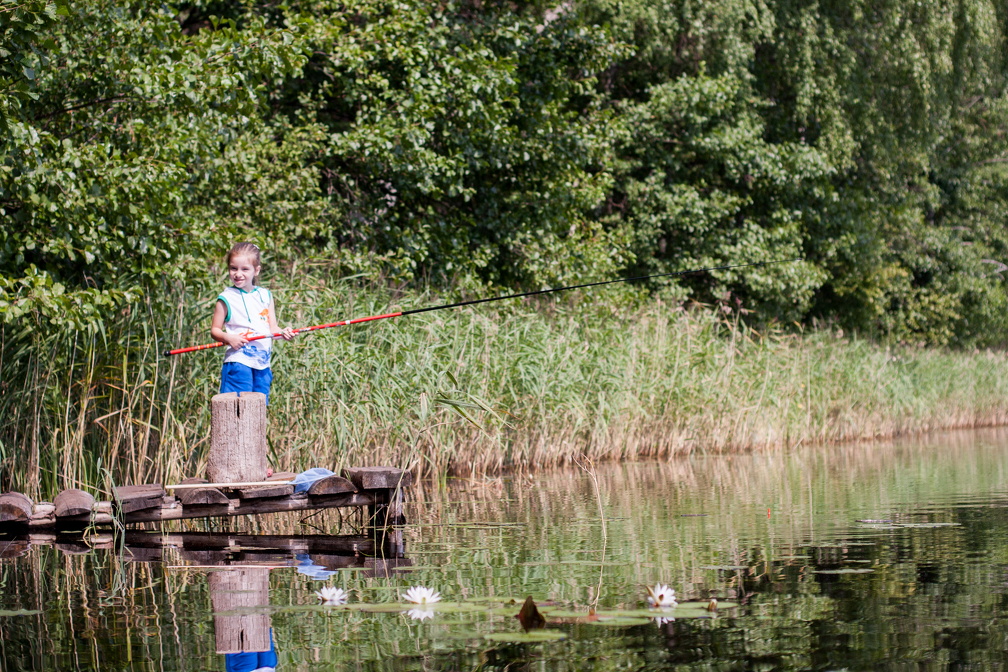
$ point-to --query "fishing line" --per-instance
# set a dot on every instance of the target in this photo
(473, 302)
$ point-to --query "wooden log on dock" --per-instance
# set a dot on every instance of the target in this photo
(378, 478)
(331, 485)
(203, 497)
(15, 508)
(237, 437)
(130, 498)
(208, 496)
(73, 503)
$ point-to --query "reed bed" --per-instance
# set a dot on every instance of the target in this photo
(480, 390)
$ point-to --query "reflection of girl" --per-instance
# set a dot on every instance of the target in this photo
(252, 661)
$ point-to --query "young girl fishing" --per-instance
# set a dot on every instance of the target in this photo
(241, 311)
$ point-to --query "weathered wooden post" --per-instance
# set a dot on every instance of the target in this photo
(237, 437)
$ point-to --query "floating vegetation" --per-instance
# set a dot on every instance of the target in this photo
(529, 637)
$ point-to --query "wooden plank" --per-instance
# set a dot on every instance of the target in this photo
(331, 485)
(378, 478)
(43, 509)
(203, 497)
(296, 502)
(262, 492)
(282, 476)
(15, 508)
(131, 498)
(43, 517)
(73, 503)
(195, 483)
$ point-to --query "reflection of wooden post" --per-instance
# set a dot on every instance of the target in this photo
(235, 589)
(237, 438)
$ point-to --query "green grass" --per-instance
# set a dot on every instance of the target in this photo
(504, 386)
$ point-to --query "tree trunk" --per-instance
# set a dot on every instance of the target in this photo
(237, 437)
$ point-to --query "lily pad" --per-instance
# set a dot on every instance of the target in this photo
(526, 637)
(618, 621)
(440, 607)
(504, 599)
(556, 612)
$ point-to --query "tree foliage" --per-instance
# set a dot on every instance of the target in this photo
(516, 145)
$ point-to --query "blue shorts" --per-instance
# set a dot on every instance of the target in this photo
(236, 377)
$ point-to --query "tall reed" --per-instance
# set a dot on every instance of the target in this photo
(511, 385)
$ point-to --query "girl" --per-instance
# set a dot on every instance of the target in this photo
(241, 311)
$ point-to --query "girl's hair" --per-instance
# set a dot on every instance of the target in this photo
(250, 250)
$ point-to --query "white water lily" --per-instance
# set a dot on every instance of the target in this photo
(330, 595)
(420, 614)
(661, 596)
(421, 595)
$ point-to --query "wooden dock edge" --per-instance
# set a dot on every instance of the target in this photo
(379, 490)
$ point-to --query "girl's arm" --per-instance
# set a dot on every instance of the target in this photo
(217, 332)
(286, 332)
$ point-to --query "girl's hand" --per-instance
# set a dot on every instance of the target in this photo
(236, 341)
(287, 333)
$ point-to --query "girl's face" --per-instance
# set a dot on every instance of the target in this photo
(243, 272)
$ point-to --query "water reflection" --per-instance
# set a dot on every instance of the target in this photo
(242, 630)
(92, 602)
(880, 556)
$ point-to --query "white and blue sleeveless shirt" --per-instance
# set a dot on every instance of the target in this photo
(248, 314)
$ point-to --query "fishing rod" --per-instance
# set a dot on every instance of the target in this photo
(473, 302)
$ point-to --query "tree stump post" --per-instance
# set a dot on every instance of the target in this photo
(237, 437)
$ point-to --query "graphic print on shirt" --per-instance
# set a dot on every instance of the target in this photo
(252, 351)
(248, 314)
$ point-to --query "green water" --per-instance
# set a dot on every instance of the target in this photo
(875, 556)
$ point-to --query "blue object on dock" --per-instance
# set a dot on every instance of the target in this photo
(306, 478)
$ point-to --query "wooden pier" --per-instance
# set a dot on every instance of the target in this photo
(377, 490)
(235, 466)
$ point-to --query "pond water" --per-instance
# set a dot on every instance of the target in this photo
(871, 556)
